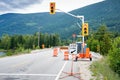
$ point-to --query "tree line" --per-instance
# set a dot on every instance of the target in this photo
(108, 44)
(14, 42)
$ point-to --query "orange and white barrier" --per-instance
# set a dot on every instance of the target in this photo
(66, 55)
(55, 52)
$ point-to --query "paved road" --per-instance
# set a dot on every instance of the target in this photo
(39, 65)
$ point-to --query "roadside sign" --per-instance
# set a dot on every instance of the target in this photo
(73, 48)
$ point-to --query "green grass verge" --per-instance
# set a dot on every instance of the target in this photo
(102, 71)
(17, 52)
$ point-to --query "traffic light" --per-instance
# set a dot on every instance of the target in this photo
(85, 29)
(52, 7)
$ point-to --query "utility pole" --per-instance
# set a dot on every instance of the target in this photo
(39, 37)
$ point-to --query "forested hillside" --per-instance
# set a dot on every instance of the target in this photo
(106, 12)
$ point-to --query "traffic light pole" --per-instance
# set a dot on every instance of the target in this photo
(71, 73)
(78, 17)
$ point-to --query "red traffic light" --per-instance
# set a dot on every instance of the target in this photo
(52, 7)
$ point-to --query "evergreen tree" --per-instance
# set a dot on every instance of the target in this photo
(103, 37)
(5, 42)
(114, 55)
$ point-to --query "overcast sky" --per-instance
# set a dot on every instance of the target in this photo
(33, 6)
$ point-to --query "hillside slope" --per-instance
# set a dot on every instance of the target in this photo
(106, 12)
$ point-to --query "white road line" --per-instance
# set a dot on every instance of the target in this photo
(61, 71)
(20, 74)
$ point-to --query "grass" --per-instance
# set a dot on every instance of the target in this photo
(102, 71)
(17, 52)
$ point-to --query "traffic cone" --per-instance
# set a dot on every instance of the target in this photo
(66, 55)
(55, 52)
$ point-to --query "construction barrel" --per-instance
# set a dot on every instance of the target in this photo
(55, 52)
(66, 55)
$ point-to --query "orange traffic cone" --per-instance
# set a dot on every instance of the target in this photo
(55, 52)
(66, 55)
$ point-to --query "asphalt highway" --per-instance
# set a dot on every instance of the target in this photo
(38, 65)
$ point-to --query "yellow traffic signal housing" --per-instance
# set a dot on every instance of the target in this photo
(85, 29)
(52, 7)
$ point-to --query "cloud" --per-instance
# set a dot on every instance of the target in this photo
(35, 6)
(4, 6)
(68, 5)
(10, 5)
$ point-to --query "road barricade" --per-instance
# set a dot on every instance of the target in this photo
(66, 55)
(55, 52)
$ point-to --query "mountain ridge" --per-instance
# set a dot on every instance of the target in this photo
(106, 12)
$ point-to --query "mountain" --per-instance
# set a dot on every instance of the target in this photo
(30, 23)
(106, 12)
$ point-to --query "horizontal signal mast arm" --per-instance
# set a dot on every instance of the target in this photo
(71, 14)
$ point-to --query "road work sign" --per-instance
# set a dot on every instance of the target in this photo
(73, 48)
